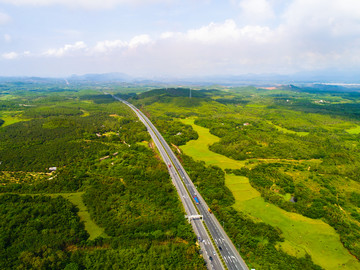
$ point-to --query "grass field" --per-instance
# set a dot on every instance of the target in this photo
(199, 149)
(355, 130)
(76, 198)
(288, 130)
(10, 118)
(301, 234)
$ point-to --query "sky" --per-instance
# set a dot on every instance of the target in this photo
(178, 38)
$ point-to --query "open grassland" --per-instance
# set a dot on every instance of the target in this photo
(355, 130)
(302, 235)
(288, 130)
(199, 149)
(11, 117)
(241, 188)
(7, 96)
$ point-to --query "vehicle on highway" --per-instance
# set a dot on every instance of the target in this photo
(169, 165)
(210, 211)
(196, 199)
(210, 258)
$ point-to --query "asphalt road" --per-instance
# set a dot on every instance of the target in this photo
(186, 190)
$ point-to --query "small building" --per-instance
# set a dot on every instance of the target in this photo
(52, 169)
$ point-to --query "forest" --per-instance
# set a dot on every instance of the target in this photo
(80, 141)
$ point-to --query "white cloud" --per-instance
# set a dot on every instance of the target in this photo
(332, 16)
(105, 47)
(4, 18)
(10, 55)
(227, 32)
(139, 41)
(86, 4)
(68, 49)
(256, 11)
(214, 32)
(108, 46)
(303, 35)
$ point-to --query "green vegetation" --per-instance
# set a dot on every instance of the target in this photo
(355, 130)
(302, 235)
(107, 200)
(257, 241)
(91, 227)
(199, 149)
(35, 231)
(280, 145)
(279, 168)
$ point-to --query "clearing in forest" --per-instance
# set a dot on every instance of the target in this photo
(90, 226)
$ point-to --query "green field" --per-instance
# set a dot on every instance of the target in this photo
(10, 118)
(355, 130)
(301, 234)
(199, 149)
(90, 226)
(285, 130)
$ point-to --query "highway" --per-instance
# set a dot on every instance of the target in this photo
(218, 251)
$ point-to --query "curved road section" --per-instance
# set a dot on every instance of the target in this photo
(217, 249)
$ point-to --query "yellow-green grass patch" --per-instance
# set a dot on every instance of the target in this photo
(240, 187)
(11, 117)
(144, 143)
(285, 130)
(85, 113)
(199, 149)
(303, 234)
(355, 130)
(7, 97)
(110, 133)
(116, 116)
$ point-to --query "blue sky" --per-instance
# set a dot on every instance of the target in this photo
(178, 37)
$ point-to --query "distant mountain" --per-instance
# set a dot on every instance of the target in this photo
(270, 79)
(104, 77)
(37, 80)
(322, 88)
